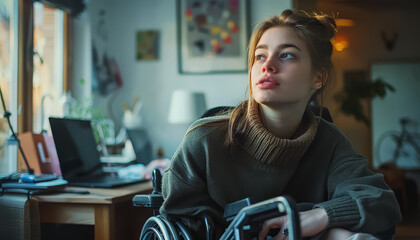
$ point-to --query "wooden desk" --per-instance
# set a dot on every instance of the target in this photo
(110, 210)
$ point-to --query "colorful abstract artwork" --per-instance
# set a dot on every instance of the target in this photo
(212, 35)
(147, 45)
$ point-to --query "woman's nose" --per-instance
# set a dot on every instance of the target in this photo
(269, 66)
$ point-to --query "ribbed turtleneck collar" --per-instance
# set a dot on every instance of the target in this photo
(273, 152)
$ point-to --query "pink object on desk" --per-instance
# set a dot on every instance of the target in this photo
(40, 152)
(160, 164)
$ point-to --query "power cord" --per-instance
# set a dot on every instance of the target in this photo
(12, 176)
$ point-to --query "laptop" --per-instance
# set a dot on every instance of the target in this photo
(78, 155)
(141, 145)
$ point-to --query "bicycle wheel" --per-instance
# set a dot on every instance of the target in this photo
(387, 147)
(408, 156)
(392, 147)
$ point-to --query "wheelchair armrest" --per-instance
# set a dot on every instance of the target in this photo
(232, 209)
(153, 200)
(259, 212)
(148, 200)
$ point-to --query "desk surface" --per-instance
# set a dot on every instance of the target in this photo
(110, 210)
(97, 195)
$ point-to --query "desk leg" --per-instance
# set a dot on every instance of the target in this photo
(105, 222)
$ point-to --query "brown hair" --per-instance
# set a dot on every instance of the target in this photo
(315, 29)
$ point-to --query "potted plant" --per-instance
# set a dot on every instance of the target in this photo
(357, 88)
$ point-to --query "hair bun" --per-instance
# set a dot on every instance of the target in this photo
(329, 24)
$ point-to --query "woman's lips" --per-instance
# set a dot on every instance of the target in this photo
(267, 82)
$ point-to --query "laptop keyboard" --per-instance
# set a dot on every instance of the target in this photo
(104, 178)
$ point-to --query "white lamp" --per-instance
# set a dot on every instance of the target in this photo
(186, 107)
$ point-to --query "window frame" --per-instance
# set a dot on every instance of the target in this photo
(25, 63)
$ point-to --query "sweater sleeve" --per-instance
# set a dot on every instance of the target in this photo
(359, 199)
(184, 185)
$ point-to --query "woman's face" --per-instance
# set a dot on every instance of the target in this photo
(282, 71)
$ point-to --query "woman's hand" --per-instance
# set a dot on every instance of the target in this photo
(311, 223)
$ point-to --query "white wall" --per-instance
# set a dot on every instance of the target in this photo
(387, 112)
(154, 81)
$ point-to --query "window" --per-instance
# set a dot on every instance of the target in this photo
(28, 26)
(8, 78)
(47, 81)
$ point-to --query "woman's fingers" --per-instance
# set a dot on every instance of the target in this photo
(281, 236)
(273, 223)
(311, 223)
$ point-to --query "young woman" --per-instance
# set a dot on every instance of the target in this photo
(272, 145)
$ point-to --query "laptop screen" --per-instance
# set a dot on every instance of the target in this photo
(141, 144)
(76, 146)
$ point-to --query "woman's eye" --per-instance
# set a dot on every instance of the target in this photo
(286, 56)
(260, 58)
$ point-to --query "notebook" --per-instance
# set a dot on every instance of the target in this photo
(78, 155)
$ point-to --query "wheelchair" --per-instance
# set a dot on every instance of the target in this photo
(245, 218)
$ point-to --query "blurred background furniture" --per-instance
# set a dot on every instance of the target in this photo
(19, 217)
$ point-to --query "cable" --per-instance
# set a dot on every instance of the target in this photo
(11, 177)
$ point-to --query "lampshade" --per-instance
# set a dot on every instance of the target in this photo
(186, 107)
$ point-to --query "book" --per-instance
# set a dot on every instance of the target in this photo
(46, 185)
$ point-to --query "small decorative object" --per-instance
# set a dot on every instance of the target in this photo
(131, 118)
(357, 88)
(389, 40)
(212, 36)
(147, 45)
(11, 149)
(66, 103)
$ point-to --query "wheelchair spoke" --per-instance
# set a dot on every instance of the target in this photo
(153, 233)
(184, 231)
(170, 226)
(154, 222)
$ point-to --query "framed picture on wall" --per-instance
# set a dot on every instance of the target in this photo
(147, 45)
(212, 36)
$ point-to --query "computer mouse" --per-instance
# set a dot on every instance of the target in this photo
(28, 178)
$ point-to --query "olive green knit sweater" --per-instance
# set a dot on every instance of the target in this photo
(318, 165)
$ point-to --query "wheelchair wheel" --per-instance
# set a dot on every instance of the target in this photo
(161, 228)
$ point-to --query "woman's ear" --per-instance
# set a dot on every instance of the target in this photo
(320, 79)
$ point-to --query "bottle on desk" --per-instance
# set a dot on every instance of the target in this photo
(10, 155)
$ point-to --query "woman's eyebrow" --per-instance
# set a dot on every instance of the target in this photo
(281, 46)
